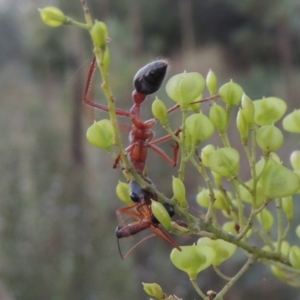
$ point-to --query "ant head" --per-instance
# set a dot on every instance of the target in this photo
(149, 78)
(137, 193)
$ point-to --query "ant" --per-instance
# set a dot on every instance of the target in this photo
(141, 211)
(146, 81)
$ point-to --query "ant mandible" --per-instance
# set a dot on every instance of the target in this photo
(146, 81)
(141, 211)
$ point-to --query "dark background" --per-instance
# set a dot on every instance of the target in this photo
(58, 201)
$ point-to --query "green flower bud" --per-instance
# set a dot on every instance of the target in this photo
(195, 107)
(206, 152)
(291, 122)
(211, 82)
(288, 207)
(161, 214)
(185, 88)
(298, 231)
(192, 259)
(247, 197)
(266, 220)
(153, 290)
(223, 250)
(269, 110)
(203, 198)
(269, 138)
(231, 93)
(101, 134)
(295, 160)
(99, 35)
(248, 109)
(230, 227)
(278, 181)
(179, 192)
(225, 162)
(217, 115)
(52, 16)
(278, 273)
(160, 111)
(122, 191)
(199, 128)
(242, 125)
(285, 247)
(294, 257)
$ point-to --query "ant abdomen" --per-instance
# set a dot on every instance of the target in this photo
(149, 78)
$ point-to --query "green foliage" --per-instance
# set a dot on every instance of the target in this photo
(270, 182)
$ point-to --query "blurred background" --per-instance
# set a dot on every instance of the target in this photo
(58, 201)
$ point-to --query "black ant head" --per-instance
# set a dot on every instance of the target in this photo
(169, 208)
(137, 193)
(149, 78)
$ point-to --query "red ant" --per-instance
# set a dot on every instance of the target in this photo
(141, 211)
(146, 81)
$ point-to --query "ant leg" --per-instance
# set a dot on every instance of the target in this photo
(119, 112)
(158, 231)
(172, 162)
(176, 106)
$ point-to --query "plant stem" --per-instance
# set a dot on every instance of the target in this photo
(234, 279)
(196, 287)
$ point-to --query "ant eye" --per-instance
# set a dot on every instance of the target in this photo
(149, 78)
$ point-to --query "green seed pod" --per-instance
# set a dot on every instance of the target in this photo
(199, 128)
(269, 110)
(185, 88)
(122, 191)
(231, 93)
(285, 247)
(288, 207)
(291, 122)
(206, 152)
(269, 138)
(203, 198)
(179, 192)
(223, 250)
(248, 109)
(160, 111)
(247, 197)
(294, 257)
(101, 134)
(242, 125)
(217, 115)
(295, 160)
(99, 35)
(278, 181)
(52, 16)
(225, 162)
(154, 290)
(192, 259)
(298, 231)
(278, 273)
(211, 82)
(266, 220)
(230, 227)
(161, 214)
